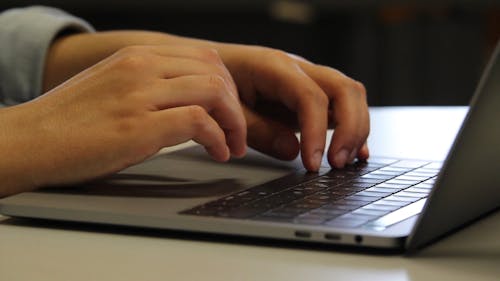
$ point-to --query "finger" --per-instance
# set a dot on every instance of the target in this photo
(364, 152)
(210, 92)
(301, 94)
(271, 137)
(180, 124)
(350, 113)
(172, 67)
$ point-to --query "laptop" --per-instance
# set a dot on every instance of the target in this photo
(384, 203)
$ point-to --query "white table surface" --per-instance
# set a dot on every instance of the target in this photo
(57, 251)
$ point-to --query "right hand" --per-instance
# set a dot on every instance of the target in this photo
(124, 110)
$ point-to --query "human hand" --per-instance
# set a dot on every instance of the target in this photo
(280, 93)
(283, 92)
(120, 112)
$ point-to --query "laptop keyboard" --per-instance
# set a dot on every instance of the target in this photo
(372, 194)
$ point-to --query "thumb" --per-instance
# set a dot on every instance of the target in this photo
(270, 137)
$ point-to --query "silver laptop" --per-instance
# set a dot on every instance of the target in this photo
(388, 203)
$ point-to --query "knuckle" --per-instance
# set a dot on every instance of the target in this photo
(361, 88)
(209, 54)
(278, 54)
(216, 84)
(320, 98)
(349, 86)
(198, 116)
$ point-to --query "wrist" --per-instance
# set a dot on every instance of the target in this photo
(19, 146)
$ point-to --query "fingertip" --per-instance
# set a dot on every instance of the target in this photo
(286, 147)
(364, 152)
(219, 154)
(236, 141)
(312, 161)
(352, 156)
(339, 158)
(239, 153)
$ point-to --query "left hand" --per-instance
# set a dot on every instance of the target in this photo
(282, 92)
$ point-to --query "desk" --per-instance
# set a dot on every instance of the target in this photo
(40, 251)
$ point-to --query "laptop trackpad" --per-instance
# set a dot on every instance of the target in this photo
(187, 173)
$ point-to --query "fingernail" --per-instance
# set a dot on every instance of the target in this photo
(352, 156)
(317, 157)
(284, 147)
(341, 158)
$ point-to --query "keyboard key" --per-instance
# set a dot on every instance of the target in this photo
(373, 194)
(393, 186)
(424, 185)
(348, 223)
(334, 194)
(367, 181)
(381, 177)
(350, 203)
(412, 178)
(394, 169)
(387, 173)
(303, 205)
(404, 193)
(354, 187)
(418, 189)
(405, 182)
(358, 186)
(321, 198)
(305, 190)
(434, 165)
(340, 176)
(427, 170)
(288, 211)
(330, 182)
(421, 174)
(381, 161)
(361, 198)
(381, 189)
(397, 216)
(354, 216)
(402, 198)
(412, 164)
(334, 206)
(430, 181)
(381, 207)
(328, 213)
(395, 203)
(371, 212)
(262, 205)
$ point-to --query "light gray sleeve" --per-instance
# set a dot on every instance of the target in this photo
(25, 37)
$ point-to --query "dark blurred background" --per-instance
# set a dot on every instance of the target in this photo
(405, 52)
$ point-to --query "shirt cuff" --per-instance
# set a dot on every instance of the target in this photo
(25, 37)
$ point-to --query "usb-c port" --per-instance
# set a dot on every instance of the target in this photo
(332, 236)
(302, 234)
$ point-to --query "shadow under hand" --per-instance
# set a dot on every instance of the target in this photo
(140, 185)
